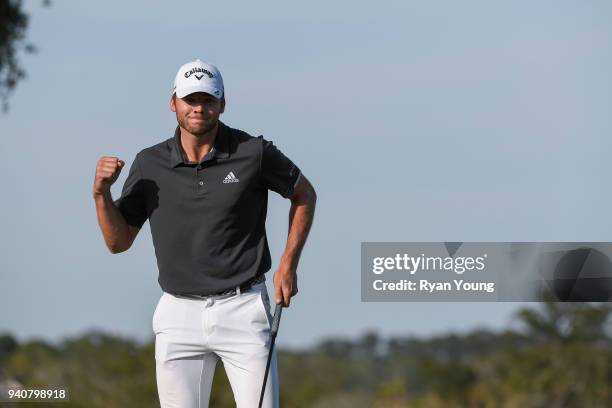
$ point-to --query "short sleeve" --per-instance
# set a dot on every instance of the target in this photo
(131, 204)
(278, 172)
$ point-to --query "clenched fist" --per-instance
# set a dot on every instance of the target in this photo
(107, 171)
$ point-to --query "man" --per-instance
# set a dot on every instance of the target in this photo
(204, 192)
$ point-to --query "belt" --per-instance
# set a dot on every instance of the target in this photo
(232, 291)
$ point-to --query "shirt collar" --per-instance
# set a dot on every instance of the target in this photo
(220, 148)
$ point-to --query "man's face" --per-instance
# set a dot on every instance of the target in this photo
(198, 113)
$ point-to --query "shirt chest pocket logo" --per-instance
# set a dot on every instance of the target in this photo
(231, 178)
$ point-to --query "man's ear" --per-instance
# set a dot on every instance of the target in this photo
(172, 103)
(222, 105)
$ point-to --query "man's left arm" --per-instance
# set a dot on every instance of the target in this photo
(301, 214)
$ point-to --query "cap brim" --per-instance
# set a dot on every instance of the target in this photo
(183, 92)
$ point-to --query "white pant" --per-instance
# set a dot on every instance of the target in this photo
(192, 334)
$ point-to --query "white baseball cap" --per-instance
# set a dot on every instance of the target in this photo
(198, 76)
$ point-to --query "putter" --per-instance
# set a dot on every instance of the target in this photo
(273, 331)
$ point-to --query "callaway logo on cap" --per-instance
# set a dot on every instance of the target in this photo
(198, 76)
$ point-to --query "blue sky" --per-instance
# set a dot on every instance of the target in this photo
(415, 121)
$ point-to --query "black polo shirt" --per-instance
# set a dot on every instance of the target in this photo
(207, 219)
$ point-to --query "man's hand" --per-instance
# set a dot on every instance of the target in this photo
(285, 284)
(107, 172)
(301, 213)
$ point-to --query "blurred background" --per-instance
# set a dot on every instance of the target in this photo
(415, 121)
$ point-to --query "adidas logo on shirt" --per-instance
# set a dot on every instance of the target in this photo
(231, 178)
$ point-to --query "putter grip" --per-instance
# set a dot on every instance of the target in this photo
(276, 319)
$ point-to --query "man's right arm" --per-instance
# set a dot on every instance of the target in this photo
(118, 235)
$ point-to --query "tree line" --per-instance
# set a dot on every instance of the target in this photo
(558, 356)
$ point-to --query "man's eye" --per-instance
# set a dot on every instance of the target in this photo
(192, 101)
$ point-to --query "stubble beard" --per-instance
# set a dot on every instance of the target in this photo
(203, 129)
